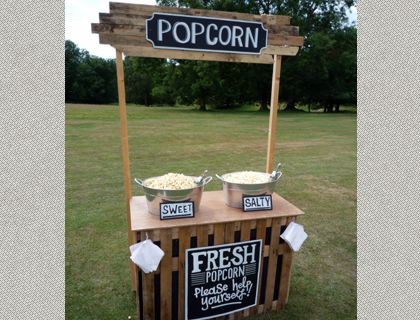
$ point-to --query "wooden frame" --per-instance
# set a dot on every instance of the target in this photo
(124, 29)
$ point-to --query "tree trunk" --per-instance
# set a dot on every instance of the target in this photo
(325, 107)
(309, 107)
(290, 106)
(202, 104)
(337, 107)
(263, 104)
(330, 107)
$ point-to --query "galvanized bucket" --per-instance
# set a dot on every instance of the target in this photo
(155, 197)
(233, 192)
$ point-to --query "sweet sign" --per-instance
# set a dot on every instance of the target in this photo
(222, 279)
(175, 31)
(176, 210)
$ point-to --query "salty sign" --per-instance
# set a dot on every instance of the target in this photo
(222, 279)
(257, 203)
(176, 210)
(174, 31)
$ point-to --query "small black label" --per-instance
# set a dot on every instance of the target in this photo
(176, 210)
(257, 203)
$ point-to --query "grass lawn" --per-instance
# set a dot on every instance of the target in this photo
(319, 176)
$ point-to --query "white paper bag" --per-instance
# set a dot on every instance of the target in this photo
(146, 255)
(294, 235)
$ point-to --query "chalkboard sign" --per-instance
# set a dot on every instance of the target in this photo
(257, 203)
(175, 31)
(222, 279)
(176, 210)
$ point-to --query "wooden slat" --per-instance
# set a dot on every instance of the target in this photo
(202, 236)
(230, 232)
(245, 236)
(195, 55)
(166, 275)
(126, 161)
(184, 243)
(285, 275)
(260, 234)
(281, 51)
(212, 211)
(148, 287)
(136, 25)
(272, 263)
(284, 40)
(219, 233)
(128, 8)
(274, 105)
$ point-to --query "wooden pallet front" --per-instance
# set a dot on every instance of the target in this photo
(160, 295)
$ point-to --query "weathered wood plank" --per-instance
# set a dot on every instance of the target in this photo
(166, 275)
(148, 281)
(123, 24)
(272, 263)
(285, 274)
(219, 233)
(202, 236)
(275, 87)
(128, 8)
(245, 236)
(212, 211)
(120, 32)
(184, 243)
(191, 55)
(260, 234)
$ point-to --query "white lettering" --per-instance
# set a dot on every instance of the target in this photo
(224, 258)
(238, 257)
(194, 31)
(160, 29)
(187, 32)
(251, 254)
(229, 35)
(209, 41)
(196, 261)
(212, 256)
(236, 36)
(248, 36)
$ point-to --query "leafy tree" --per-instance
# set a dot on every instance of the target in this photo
(302, 76)
(89, 79)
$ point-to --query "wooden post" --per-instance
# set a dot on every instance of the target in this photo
(125, 158)
(274, 105)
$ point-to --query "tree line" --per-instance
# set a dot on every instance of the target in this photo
(322, 75)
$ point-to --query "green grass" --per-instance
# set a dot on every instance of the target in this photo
(319, 176)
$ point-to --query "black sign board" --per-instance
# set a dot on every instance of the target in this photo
(257, 203)
(176, 210)
(222, 279)
(175, 31)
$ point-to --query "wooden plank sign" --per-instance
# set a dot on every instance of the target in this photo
(175, 31)
(196, 34)
(257, 203)
(222, 279)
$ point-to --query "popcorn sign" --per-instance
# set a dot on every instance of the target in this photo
(222, 279)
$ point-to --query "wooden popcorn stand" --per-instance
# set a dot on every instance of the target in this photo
(174, 291)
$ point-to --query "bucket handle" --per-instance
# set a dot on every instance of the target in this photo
(139, 182)
(207, 180)
(276, 174)
(219, 177)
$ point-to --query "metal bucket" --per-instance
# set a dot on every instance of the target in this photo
(233, 192)
(155, 197)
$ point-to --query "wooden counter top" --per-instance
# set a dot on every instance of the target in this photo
(212, 210)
